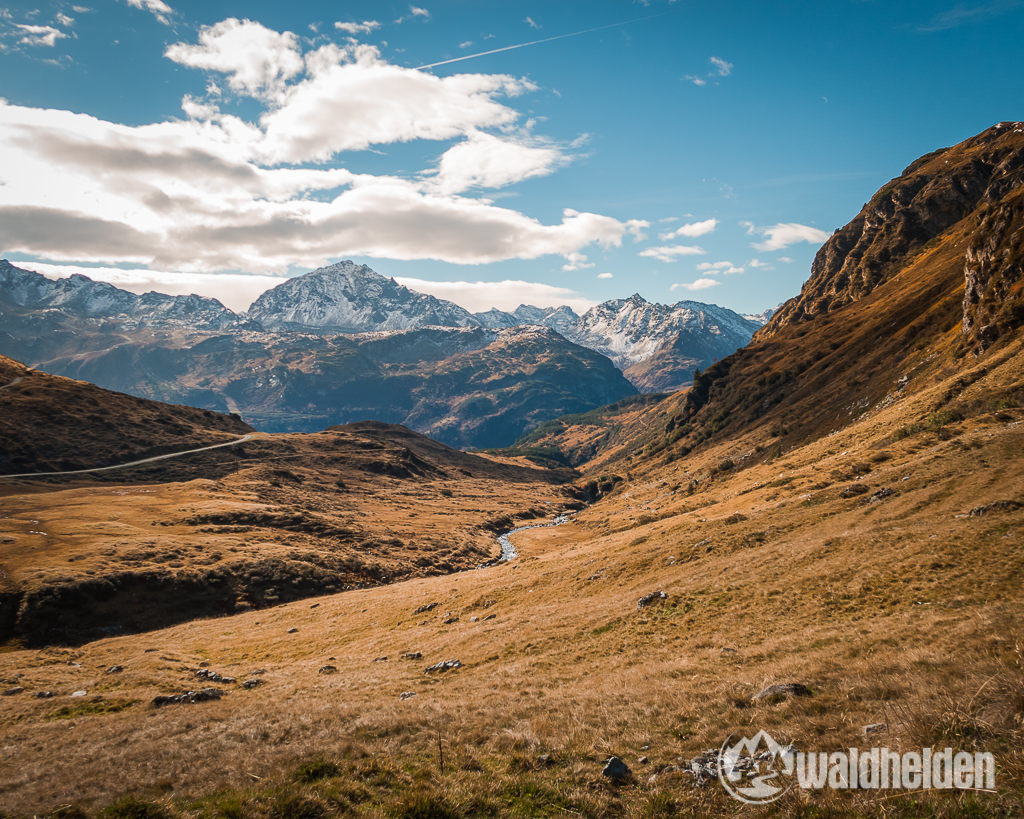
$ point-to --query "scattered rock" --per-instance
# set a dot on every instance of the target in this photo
(645, 748)
(79, 693)
(444, 665)
(44, 695)
(202, 695)
(292, 630)
(450, 620)
(250, 684)
(779, 691)
(212, 676)
(406, 694)
(882, 494)
(643, 760)
(616, 770)
(314, 605)
(10, 692)
(425, 608)
(489, 617)
(997, 506)
(854, 490)
(875, 728)
(328, 669)
(726, 651)
(412, 655)
(380, 659)
(473, 619)
(544, 760)
(651, 599)
(114, 669)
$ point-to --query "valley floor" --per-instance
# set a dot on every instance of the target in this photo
(882, 567)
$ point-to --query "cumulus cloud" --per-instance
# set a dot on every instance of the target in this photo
(719, 267)
(576, 261)
(478, 297)
(215, 191)
(692, 230)
(257, 60)
(365, 27)
(158, 8)
(32, 35)
(785, 234)
(487, 161)
(604, 275)
(353, 99)
(699, 284)
(672, 253)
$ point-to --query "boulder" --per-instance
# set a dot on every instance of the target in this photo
(616, 770)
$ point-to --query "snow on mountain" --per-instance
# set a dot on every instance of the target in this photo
(350, 298)
(81, 296)
(632, 330)
(765, 316)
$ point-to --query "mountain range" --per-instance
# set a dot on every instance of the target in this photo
(343, 343)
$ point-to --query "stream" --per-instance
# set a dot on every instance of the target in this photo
(508, 550)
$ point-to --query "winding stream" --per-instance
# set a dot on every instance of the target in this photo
(508, 550)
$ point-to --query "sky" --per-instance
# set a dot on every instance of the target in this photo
(557, 152)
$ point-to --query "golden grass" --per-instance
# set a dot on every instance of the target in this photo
(903, 610)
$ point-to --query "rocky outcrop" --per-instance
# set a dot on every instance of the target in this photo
(994, 274)
(913, 210)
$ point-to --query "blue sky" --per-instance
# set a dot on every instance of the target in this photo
(681, 150)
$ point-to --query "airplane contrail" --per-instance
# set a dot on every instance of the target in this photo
(538, 42)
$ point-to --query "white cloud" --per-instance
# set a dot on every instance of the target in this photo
(416, 11)
(235, 291)
(786, 259)
(604, 275)
(671, 253)
(158, 8)
(531, 22)
(695, 79)
(504, 295)
(39, 35)
(64, 20)
(692, 230)
(785, 234)
(365, 27)
(576, 261)
(719, 267)
(257, 60)
(353, 99)
(216, 192)
(487, 161)
(722, 67)
(699, 284)
(465, 44)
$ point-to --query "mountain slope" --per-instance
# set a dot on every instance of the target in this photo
(51, 423)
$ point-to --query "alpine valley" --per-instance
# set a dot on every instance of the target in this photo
(820, 540)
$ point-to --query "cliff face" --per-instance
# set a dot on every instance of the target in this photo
(972, 179)
(994, 274)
